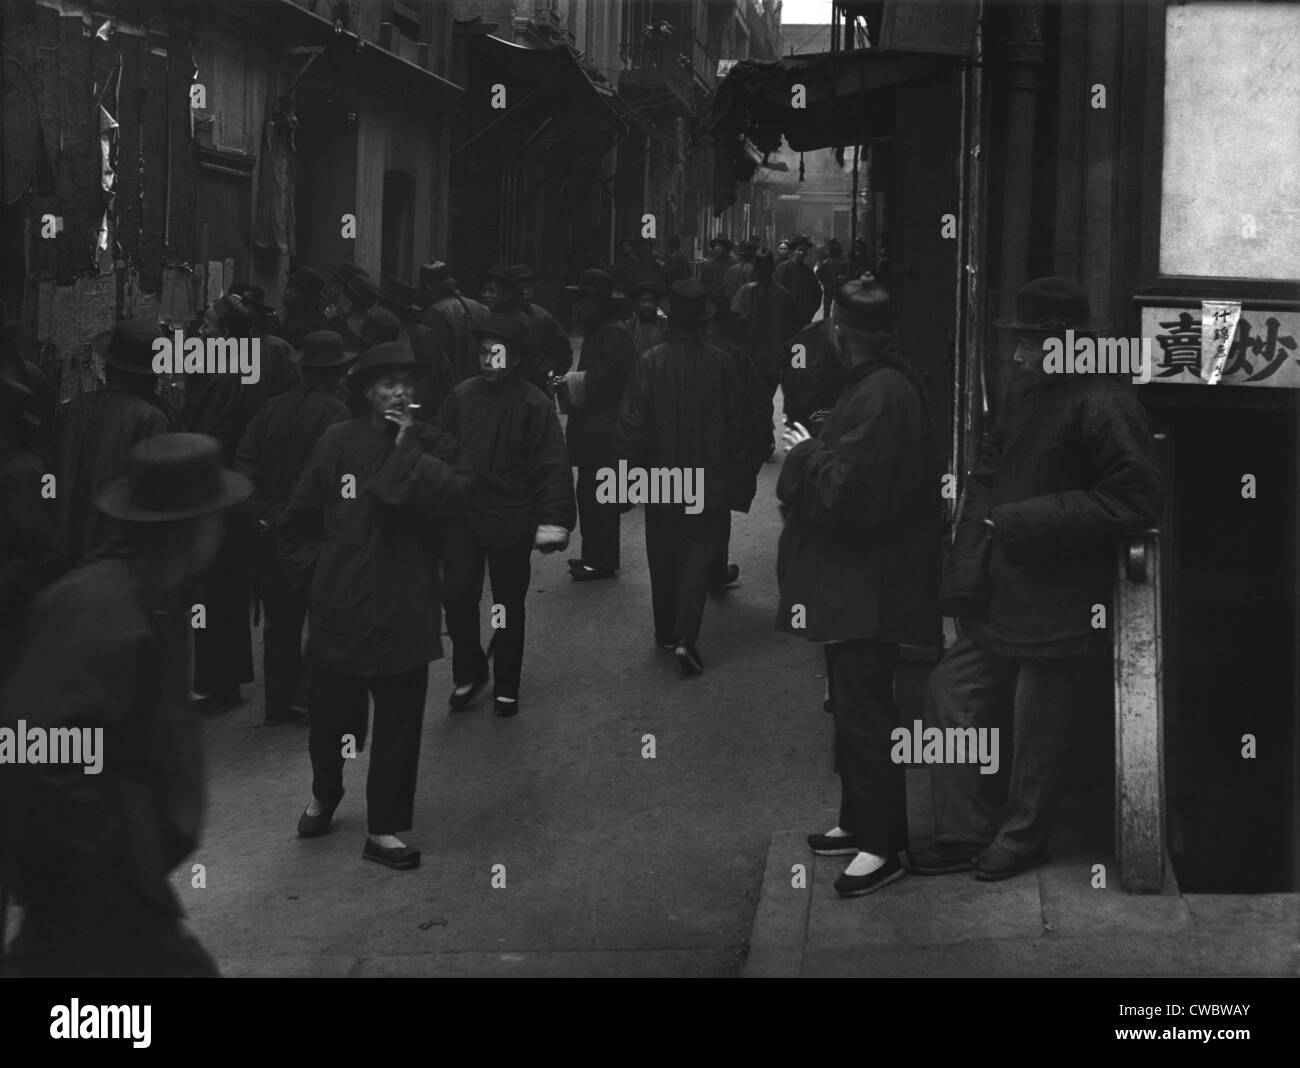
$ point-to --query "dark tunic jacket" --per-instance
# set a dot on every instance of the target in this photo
(375, 606)
(607, 357)
(510, 439)
(107, 649)
(93, 437)
(1073, 467)
(860, 548)
(273, 453)
(767, 321)
(686, 406)
(452, 318)
(551, 346)
(31, 547)
(804, 289)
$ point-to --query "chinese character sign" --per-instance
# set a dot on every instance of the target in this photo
(1221, 344)
(1218, 329)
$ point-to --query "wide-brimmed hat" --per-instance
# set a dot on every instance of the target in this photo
(307, 279)
(376, 326)
(1049, 305)
(128, 346)
(593, 282)
(399, 297)
(688, 302)
(173, 476)
(647, 286)
(513, 331)
(522, 273)
(435, 274)
(323, 348)
(379, 359)
(864, 304)
(798, 240)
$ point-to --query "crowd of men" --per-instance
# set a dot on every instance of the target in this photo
(402, 444)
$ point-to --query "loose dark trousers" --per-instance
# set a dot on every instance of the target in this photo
(61, 941)
(970, 687)
(598, 524)
(722, 554)
(339, 708)
(682, 551)
(873, 789)
(283, 668)
(510, 570)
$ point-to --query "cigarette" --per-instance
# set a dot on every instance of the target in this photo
(411, 407)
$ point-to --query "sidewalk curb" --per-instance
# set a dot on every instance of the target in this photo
(780, 928)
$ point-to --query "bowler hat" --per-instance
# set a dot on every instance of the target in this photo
(307, 279)
(863, 303)
(375, 327)
(593, 282)
(363, 291)
(800, 239)
(688, 302)
(129, 346)
(1051, 304)
(399, 297)
(323, 348)
(173, 476)
(379, 359)
(522, 273)
(506, 328)
(435, 274)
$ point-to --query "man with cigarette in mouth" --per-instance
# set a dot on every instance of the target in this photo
(364, 521)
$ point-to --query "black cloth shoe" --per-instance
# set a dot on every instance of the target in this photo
(505, 708)
(315, 826)
(944, 858)
(460, 700)
(402, 859)
(727, 578)
(997, 863)
(826, 846)
(688, 659)
(859, 885)
(589, 574)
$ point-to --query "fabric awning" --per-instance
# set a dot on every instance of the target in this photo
(846, 97)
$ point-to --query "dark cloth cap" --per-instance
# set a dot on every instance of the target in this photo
(375, 327)
(593, 282)
(646, 286)
(498, 273)
(345, 272)
(251, 295)
(435, 273)
(323, 348)
(174, 476)
(521, 272)
(380, 359)
(863, 303)
(307, 279)
(688, 302)
(1051, 304)
(129, 346)
(506, 328)
(723, 240)
(748, 248)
